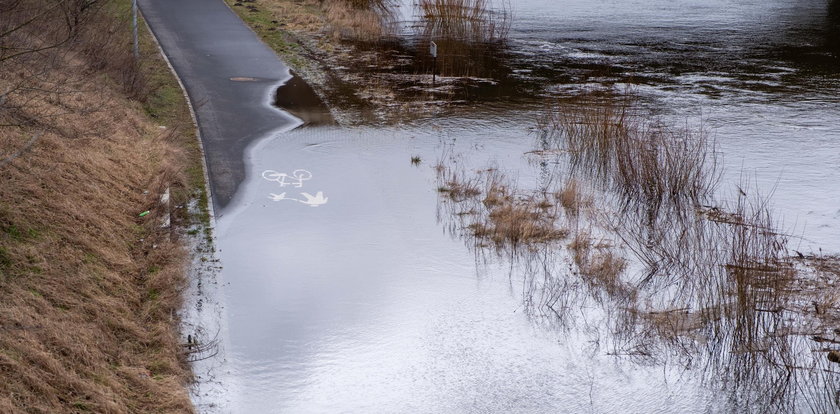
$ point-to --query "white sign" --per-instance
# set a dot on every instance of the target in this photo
(433, 49)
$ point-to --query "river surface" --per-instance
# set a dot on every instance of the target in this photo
(357, 297)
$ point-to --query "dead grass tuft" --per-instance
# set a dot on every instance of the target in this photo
(572, 198)
(496, 214)
(520, 222)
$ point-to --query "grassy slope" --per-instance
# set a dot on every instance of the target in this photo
(88, 289)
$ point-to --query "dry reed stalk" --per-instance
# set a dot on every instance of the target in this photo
(646, 162)
(369, 21)
(469, 33)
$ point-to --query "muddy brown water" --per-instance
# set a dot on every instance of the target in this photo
(346, 290)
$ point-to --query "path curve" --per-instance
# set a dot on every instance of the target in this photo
(228, 73)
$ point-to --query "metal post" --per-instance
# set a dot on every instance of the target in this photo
(134, 29)
(433, 51)
(434, 70)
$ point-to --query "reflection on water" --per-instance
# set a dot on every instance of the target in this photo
(716, 48)
(712, 287)
(299, 99)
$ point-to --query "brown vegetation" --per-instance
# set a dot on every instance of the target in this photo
(469, 35)
(88, 287)
(496, 213)
(360, 20)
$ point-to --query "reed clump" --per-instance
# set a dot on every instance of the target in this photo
(516, 223)
(470, 21)
(470, 36)
(714, 286)
(457, 186)
(368, 21)
(645, 161)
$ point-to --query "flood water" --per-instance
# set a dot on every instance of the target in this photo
(346, 287)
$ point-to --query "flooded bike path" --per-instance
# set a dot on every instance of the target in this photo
(358, 301)
(344, 289)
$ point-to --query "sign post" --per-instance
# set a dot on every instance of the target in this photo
(134, 30)
(433, 52)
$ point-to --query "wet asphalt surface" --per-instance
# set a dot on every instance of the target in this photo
(228, 73)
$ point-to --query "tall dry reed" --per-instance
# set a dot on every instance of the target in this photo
(470, 36)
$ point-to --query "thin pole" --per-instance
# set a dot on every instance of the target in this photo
(434, 70)
(134, 29)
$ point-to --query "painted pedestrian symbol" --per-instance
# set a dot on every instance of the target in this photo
(296, 180)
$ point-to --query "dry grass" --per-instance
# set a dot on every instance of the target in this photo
(360, 20)
(520, 222)
(88, 290)
(572, 198)
(456, 185)
(469, 21)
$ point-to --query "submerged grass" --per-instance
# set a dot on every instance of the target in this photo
(495, 213)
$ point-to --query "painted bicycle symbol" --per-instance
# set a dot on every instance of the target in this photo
(295, 179)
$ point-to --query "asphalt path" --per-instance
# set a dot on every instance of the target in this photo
(229, 74)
